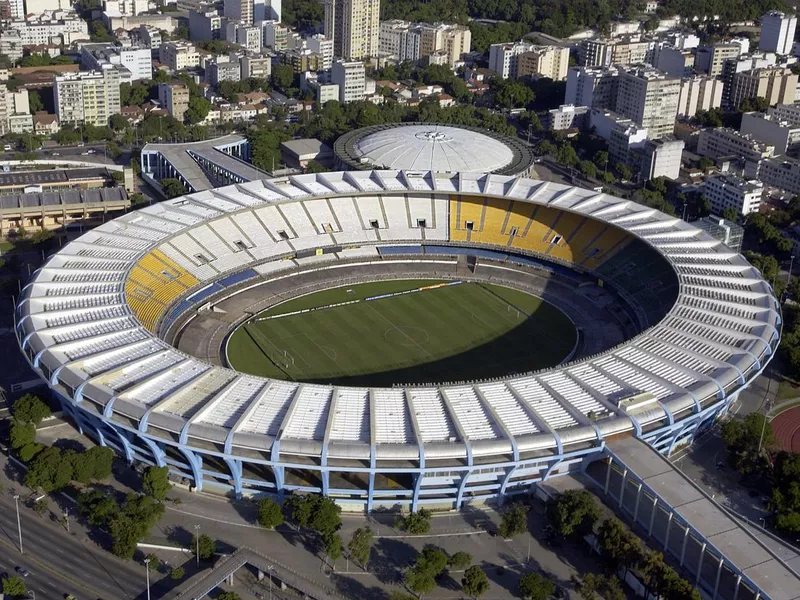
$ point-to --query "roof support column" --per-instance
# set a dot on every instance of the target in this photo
(196, 464)
(622, 486)
(700, 564)
(669, 527)
(719, 575)
(652, 517)
(235, 467)
(683, 547)
(158, 453)
(636, 507)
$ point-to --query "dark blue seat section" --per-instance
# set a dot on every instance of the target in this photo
(202, 295)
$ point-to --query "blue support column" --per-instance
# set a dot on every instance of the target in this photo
(196, 464)
(235, 467)
(417, 488)
(158, 453)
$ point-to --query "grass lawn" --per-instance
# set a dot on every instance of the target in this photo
(465, 331)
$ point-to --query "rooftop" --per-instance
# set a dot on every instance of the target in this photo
(432, 147)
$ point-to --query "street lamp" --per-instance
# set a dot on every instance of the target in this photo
(767, 406)
(197, 543)
(19, 523)
(66, 518)
(147, 575)
(763, 522)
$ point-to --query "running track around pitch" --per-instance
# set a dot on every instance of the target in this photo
(786, 427)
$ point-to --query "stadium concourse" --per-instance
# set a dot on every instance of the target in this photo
(699, 324)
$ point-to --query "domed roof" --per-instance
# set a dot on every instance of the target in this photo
(433, 148)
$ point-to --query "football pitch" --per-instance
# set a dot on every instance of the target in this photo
(408, 331)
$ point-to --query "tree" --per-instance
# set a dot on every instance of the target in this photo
(93, 464)
(588, 168)
(510, 93)
(459, 560)
(360, 545)
(566, 155)
(314, 167)
(608, 587)
(624, 171)
(155, 482)
(270, 514)
(50, 470)
(137, 199)
(152, 562)
(172, 188)
(198, 110)
(125, 533)
(98, 508)
(14, 586)
(747, 439)
(574, 513)
(283, 77)
(118, 122)
(31, 409)
(41, 507)
(177, 573)
(21, 434)
(40, 238)
(35, 101)
(600, 159)
(514, 520)
(534, 586)
(316, 512)
(204, 546)
(333, 545)
(619, 548)
(416, 523)
(30, 143)
(229, 596)
(419, 580)
(28, 451)
(475, 583)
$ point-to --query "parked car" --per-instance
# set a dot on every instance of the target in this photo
(22, 571)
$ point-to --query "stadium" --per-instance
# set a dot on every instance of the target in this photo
(527, 323)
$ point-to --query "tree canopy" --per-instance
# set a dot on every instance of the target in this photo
(534, 586)
(574, 513)
(270, 513)
(155, 482)
(475, 583)
(360, 545)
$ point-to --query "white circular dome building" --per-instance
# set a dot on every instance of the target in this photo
(432, 147)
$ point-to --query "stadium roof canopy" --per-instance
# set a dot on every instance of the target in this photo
(79, 329)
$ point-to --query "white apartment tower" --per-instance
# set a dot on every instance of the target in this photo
(777, 32)
(87, 97)
(650, 98)
(520, 59)
(351, 79)
(353, 26)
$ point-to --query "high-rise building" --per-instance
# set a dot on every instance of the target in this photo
(723, 142)
(138, 62)
(709, 59)
(276, 35)
(204, 26)
(259, 67)
(661, 158)
(548, 61)
(699, 93)
(87, 97)
(732, 66)
(179, 55)
(453, 40)
(729, 191)
(322, 46)
(777, 32)
(174, 97)
(266, 10)
(595, 87)
(650, 98)
(399, 38)
(238, 10)
(350, 76)
(673, 61)
(595, 53)
(353, 26)
(772, 130)
(775, 84)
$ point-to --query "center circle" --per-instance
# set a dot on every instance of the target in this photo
(406, 335)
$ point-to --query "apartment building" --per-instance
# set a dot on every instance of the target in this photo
(566, 117)
(350, 76)
(179, 55)
(43, 30)
(781, 172)
(699, 93)
(723, 142)
(770, 129)
(259, 67)
(401, 39)
(729, 191)
(87, 97)
(661, 158)
(150, 37)
(238, 10)
(673, 61)
(174, 97)
(709, 59)
(776, 84)
(548, 61)
(732, 66)
(451, 40)
(631, 52)
(302, 60)
(595, 53)
(205, 26)
(276, 35)
(544, 61)
(595, 87)
(138, 62)
(650, 98)
(353, 25)
(777, 32)
(786, 112)
(323, 46)
(223, 68)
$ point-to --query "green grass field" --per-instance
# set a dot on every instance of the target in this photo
(452, 333)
